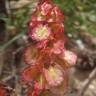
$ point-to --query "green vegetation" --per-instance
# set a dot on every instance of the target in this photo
(79, 14)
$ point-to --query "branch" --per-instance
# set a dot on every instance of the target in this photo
(11, 41)
(87, 82)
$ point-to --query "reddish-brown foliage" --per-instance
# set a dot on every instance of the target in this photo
(3, 91)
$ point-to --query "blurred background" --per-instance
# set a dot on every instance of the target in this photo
(80, 29)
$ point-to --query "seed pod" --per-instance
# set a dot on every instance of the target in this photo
(30, 55)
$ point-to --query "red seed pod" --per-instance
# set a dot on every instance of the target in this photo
(45, 8)
(66, 60)
(59, 17)
(43, 44)
(40, 32)
(55, 15)
(54, 76)
(58, 47)
(57, 27)
(30, 73)
(37, 16)
(47, 12)
(58, 31)
(63, 88)
(33, 92)
(42, 10)
(70, 57)
(38, 87)
(30, 55)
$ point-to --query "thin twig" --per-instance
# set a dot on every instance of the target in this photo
(7, 5)
(14, 71)
(7, 78)
(87, 82)
(1, 62)
(18, 50)
(11, 41)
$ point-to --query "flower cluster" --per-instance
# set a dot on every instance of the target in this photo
(48, 58)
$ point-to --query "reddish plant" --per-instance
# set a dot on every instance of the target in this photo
(3, 91)
(48, 60)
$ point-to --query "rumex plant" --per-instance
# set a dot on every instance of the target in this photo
(47, 58)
